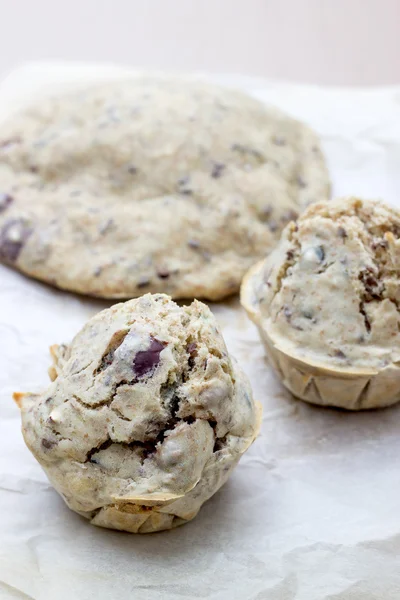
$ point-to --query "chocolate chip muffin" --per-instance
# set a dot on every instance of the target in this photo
(151, 184)
(326, 303)
(145, 418)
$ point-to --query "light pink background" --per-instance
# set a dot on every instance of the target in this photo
(319, 41)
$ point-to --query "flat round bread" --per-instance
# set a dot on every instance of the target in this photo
(326, 302)
(151, 184)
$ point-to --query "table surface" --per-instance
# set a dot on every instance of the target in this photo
(345, 42)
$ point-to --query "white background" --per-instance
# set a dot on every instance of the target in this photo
(317, 41)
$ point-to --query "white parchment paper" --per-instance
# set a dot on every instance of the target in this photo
(313, 510)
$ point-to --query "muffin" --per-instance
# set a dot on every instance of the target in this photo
(326, 302)
(145, 418)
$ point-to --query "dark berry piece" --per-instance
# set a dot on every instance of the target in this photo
(48, 444)
(12, 239)
(5, 201)
(147, 360)
(192, 351)
(217, 170)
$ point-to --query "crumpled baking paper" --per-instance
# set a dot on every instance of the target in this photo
(313, 510)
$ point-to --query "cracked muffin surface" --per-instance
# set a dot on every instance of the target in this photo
(328, 297)
(145, 418)
(151, 184)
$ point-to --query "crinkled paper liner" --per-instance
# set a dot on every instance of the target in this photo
(343, 388)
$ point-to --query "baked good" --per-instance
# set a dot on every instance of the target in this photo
(145, 418)
(151, 184)
(326, 302)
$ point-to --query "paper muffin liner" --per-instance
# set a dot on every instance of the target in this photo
(157, 511)
(322, 384)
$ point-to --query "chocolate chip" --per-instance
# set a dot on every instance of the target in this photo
(278, 140)
(373, 288)
(48, 444)
(287, 312)
(192, 351)
(307, 314)
(366, 319)
(320, 253)
(194, 244)
(266, 212)
(5, 201)
(163, 273)
(11, 142)
(132, 170)
(290, 255)
(147, 360)
(342, 232)
(301, 182)
(217, 170)
(246, 150)
(105, 227)
(143, 282)
(33, 169)
(12, 239)
(340, 354)
(183, 185)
